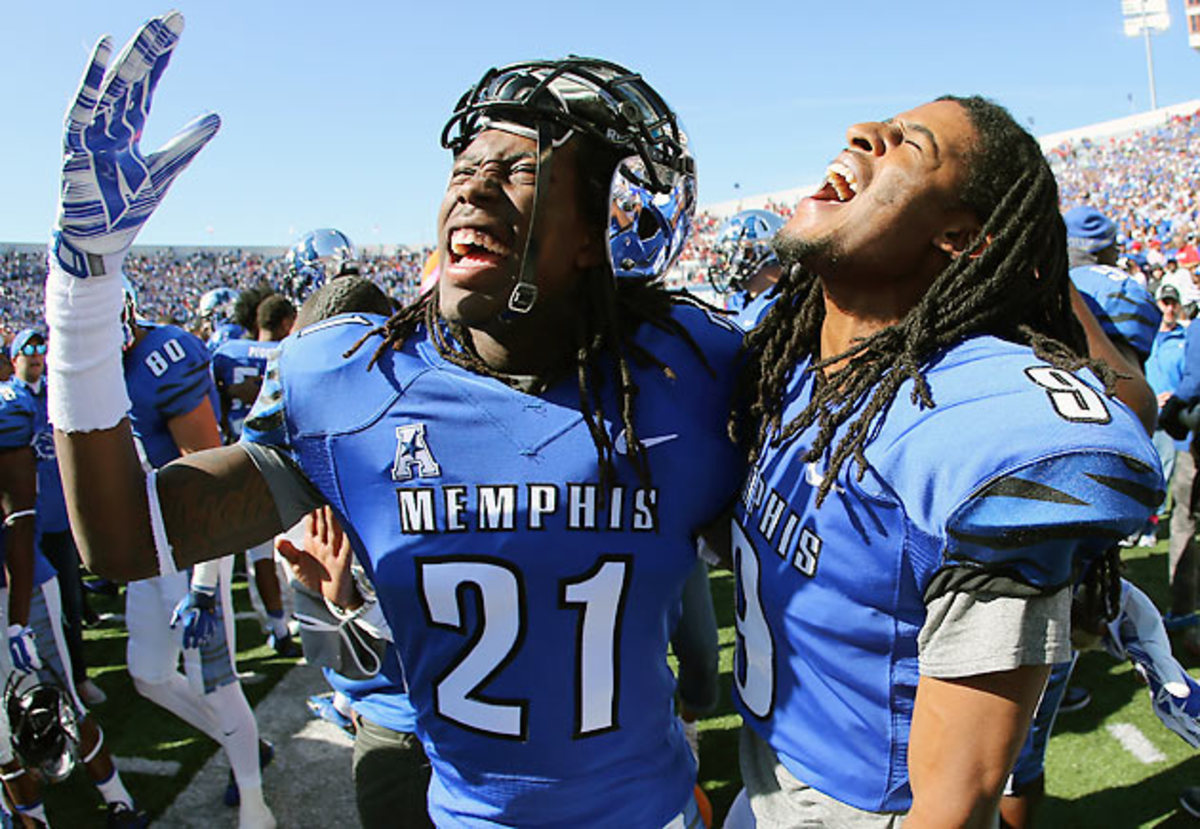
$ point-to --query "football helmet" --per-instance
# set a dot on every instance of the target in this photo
(44, 725)
(318, 257)
(217, 305)
(743, 248)
(552, 100)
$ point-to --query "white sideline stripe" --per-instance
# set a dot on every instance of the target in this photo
(140, 765)
(1135, 742)
(244, 615)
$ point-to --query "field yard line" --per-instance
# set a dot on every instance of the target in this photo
(1135, 742)
(141, 765)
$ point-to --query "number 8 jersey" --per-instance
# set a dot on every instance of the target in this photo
(1018, 477)
(531, 608)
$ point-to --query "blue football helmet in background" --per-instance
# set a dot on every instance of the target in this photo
(743, 248)
(318, 257)
(216, 306)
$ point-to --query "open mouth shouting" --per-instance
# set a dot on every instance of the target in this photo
(841, 184)
(474, 250)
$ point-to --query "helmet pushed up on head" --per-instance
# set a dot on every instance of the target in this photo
(44, 726)
(743, 248)
(318, 257)
(550, 101)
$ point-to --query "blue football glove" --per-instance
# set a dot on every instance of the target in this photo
(22, 648)
(109, 188)
(197, 611)
(1138, 634)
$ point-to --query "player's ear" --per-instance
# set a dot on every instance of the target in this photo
(960, 235)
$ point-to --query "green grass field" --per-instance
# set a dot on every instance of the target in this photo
(1091, 780)
(134, 727)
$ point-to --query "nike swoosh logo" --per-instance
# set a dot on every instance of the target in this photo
(621, 444)
(815, 478)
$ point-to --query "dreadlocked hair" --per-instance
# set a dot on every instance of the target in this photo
(603, 335)
(1015, 287)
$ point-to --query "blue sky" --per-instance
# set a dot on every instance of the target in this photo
(332, 110)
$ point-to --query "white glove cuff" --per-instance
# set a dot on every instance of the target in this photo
(86, 377)
(205, 576)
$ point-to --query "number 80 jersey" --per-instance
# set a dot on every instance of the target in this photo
(531, 609)
(1018, 477)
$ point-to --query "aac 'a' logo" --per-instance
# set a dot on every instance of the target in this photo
(413, 456)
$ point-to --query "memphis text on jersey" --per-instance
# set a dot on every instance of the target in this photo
(508, 507)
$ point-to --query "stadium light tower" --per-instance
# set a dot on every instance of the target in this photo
(1141, 18)
(1192, 9)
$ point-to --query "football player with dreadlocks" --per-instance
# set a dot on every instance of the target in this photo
(523, 456)
(931, 474)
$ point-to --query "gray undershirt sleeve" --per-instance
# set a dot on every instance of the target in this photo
(975, 633)
(294, 494)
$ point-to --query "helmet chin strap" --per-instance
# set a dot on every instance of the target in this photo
(525, 291)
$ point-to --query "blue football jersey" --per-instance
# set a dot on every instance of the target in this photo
(757, 308)
(18, 416)
(530, 608)
(233, 362)
(51, 503)
(1126, 311)
(18, 428)
(1018, 475)
(167, 375)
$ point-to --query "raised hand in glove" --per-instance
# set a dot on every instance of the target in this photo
(109, 187)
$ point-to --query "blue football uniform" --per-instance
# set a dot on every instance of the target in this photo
(530, 610)
(22, 423)
(19, 424)
(233, 362)
(51, 503)
(1007, 485)
(757, 308)
(223, 332)
(167, 375)
(1125, 310)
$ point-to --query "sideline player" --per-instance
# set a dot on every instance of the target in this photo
(929, 472)
(34, 634)
(530, 407)
(171, 414)
(238, 366)
(748, 269)
(28, 352)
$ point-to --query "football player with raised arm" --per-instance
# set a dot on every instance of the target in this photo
(935, 462)
(172, 403)
(524, 456)
(35, 638)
